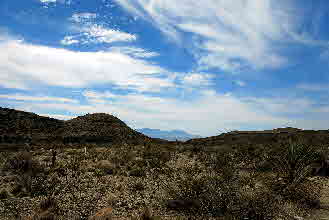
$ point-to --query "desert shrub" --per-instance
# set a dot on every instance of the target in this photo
(105, 166)
(4, 194)
(139, 185)
(155, 156)
(214, 190)
(261, 204)
(122, 157)
(99, 172)
(3, 159)
(253, 156)
(20, 162)
(48, 210)
(26, 170)
(293, 163)
(140, 163)
(304, 193)
(292, 167)
(264, 166)
(137, 172)
(146, 215)
(48, 203)
(207, 195)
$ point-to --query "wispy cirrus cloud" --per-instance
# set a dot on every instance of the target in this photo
(88, 31)
(82, 17)
(47, 1)
(97, 34)
(197, 79)
(68, 40)
(230, 35)
(34, 98)
(134, 51)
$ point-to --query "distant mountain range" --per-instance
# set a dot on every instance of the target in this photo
(168, 135)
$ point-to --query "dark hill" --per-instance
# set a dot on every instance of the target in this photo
(100, 128)
(19, 128)
(275, 136)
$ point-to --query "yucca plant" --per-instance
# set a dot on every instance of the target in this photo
(294, 162)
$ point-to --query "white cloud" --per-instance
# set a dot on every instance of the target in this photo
(22, 65)
(56, 116)
(48, 1)
(20, 97)
(134, 51)
(279, 105)
(68, 40)
(232, 35)
(82, 17)
(88, 31)
(197, 79)
(93, 33)
(99, 34)
(93, 94)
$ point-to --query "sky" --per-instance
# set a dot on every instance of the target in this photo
(205, 67)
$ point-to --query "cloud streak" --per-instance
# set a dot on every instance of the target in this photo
(87, 31)
(230, 35)
(21, 97)
(22, 65)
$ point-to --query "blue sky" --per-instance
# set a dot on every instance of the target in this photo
(200, 66)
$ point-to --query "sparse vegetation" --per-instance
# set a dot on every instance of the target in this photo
(151, 180)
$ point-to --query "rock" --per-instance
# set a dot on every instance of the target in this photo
(103, 214)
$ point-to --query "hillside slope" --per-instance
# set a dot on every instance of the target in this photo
(100, 128)
(19, 127)
(274, 136)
